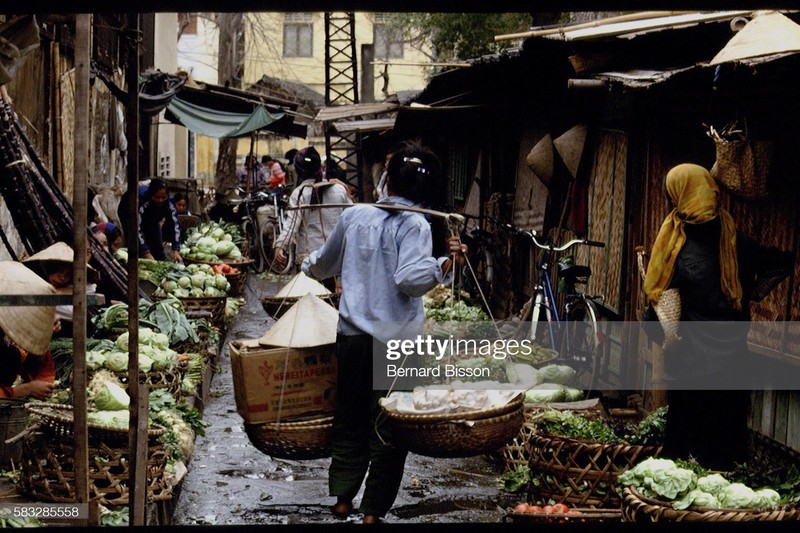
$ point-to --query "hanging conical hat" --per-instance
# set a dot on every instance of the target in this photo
(768, 33)
(29, 326)
(540, 159)
(300, 285)
(570, 147)
(309, 322)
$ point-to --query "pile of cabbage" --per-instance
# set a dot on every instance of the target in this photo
(154, 353)
(662, 479)
(193, 281)
(210, 242)
(545, 385)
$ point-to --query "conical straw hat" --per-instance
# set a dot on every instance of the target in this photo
(540, 159)
(61, 252)
(570, 147)
(29, 326)
(300, 285)
(768, 33)
(309, 322)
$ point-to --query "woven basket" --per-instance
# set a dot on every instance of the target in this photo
(298, 439)
(214, 305)
(241, 263)
(237, 281)
(276, 307)
(47, 472)
(743, 167)
(517, 452)
(169, 379)
(460, 434)
(638, 508)
(581, 473)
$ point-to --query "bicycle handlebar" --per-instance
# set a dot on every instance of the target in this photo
(532, 234)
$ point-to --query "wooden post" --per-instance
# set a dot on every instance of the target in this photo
(83, 50)
(137, 481)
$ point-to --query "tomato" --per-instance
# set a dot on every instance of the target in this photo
(549, 509)
(535, 509)
(561, 508)
(521, 508)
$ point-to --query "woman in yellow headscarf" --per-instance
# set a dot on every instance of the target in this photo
(717, 272)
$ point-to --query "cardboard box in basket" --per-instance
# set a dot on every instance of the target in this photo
(291, 370)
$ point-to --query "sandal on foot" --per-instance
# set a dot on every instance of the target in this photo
(342, 509)
(371, 519)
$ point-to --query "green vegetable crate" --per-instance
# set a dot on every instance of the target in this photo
(47, 473)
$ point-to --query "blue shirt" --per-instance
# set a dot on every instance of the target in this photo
(385, 259)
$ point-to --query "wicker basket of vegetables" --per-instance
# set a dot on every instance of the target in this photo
(212, 243)
(577, 460)
(237, 277)
(662, 490)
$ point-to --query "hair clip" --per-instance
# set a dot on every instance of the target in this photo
(417, 161)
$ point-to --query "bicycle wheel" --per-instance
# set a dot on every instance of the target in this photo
(580, 344)
(249, 230)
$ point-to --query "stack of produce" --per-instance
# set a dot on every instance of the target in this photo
(210, 243)
(193, 281)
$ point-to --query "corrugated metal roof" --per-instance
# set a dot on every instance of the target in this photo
(327, 114)
(630, 29)
(378, 124)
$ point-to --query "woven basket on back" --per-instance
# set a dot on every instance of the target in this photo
(48, 474)
(579, 472)
(308, 438)
(459, 434)
(517, 452)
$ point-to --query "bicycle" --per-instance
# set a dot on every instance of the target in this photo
(478, 242)
(573, 332)
(264, 219)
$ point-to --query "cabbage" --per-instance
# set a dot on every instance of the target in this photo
(206, 244)
(545, 393)
(223, 248)
(522, 374)
(117, 361)
(122, 342)
(712, 483)
(561, 374)
(146, 335)
(163, 359)
(181, 293)
(198, 280)
(111, 397)
(220, 281)
(184, 282)
(572, 395)
(218, 233)
(169, 286)
(737, 496)
(235, 254)
(160, 340)
(659, 478)
(95, 360)
(766, 498)
(145, 363)
(118, 419)
(696, 497)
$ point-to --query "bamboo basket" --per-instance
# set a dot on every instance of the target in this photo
(582, 473)
(585, 515)
(517, 452)
(459, 434)
(638, 508)
(308, 438)
(48, 474)
(237, 281)
(241, 263)
(214, 305)
(276, 307)
(169, 379)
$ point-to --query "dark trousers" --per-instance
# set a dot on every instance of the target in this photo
(361, 439)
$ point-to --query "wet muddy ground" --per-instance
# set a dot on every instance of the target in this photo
(230, 482)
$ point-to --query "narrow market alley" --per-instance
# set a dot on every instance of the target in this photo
(230, 482)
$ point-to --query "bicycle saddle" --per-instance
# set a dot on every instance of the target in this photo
(574, 271)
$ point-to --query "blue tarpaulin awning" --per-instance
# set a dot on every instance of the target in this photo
(217, 123)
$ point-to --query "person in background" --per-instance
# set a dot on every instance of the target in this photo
(266, 163)
(109, 234)
(181, 203)
(718, 271)
(55, 265)
(386, 261)
(26, 333)
(291, 172)
(277, 176)
(250, 174)
(153, 213)
(307, 229)
(380, 190)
